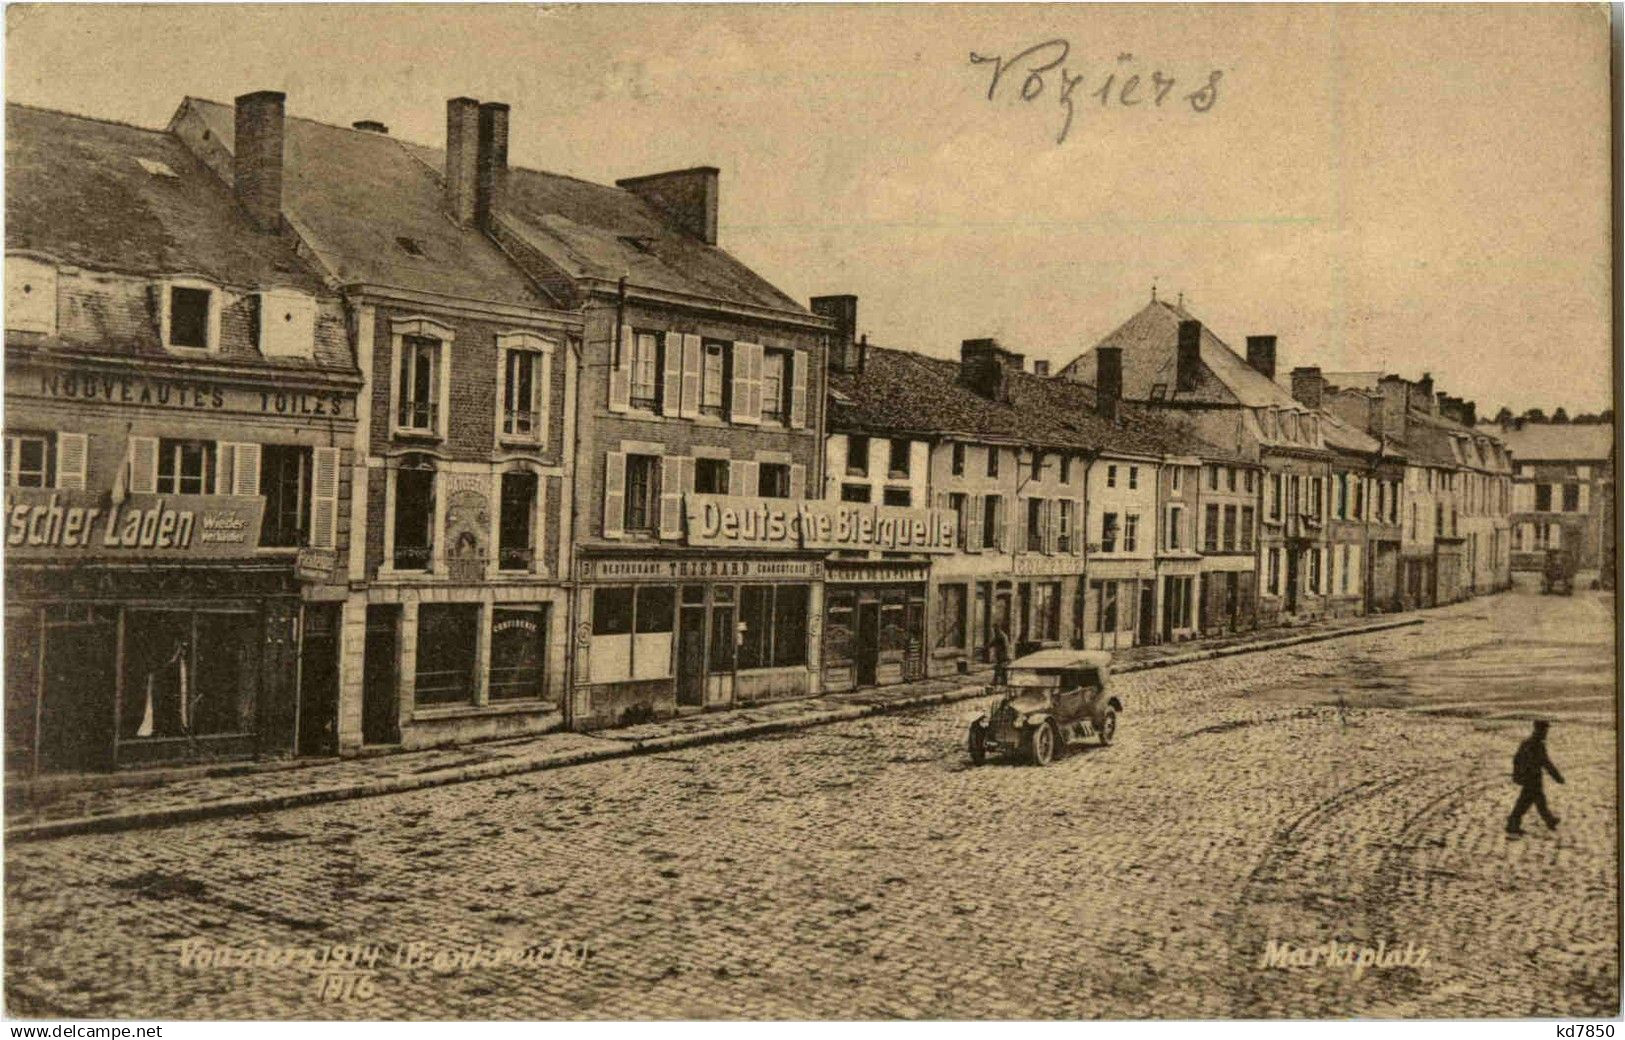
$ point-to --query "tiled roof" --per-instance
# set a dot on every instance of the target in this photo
(1341, 436)
(1433, 439)
(904, 393)
(1559, 441)
(1150, 344)
(76, 189)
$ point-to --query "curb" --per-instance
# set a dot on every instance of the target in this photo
(612, 749)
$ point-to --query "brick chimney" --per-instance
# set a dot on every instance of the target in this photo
(462, 158)
(491, 162)
(1421, 395)
(1307, 384)
(986, 367)
(257, 163)
(1189, 359)
(1041, 368)
(843, 344)
(1469, 413)
(687, 198)
(1396, 392)
(1108, 381)
(1261, 355)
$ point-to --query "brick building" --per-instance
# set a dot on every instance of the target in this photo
(180, 408)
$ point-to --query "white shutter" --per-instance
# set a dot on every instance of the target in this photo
(673, 377)
(1006, 535)
(749, 484)
(798, 389)
(671, 496)
(688, 474)
(693, 376)
(71, 451)
(225, 467)
(324, 491)
(614, 494)
(620, 375)
(973, 524)
(245, 478)
(1585, 498)
(798, 480)
(747, 403)
(1018, 533)
(143, 463)
(1080, 530)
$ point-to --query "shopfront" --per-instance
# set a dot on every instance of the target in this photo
(874, 634)
(1117, 606)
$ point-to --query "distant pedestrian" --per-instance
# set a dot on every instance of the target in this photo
(1529, 766)
(1000, 644)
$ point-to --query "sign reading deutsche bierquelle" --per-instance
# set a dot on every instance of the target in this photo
(724, 521)
(50, 523)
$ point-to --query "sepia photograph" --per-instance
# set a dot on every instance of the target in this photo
(811, 512)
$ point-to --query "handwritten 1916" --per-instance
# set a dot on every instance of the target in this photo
(1041, 71)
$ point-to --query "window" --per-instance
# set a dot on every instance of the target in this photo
(414, 515)
(518, 653)
(1175, 474)
(1210, 532)
(1108, 533)
(772, 626)
(1275, 572)
(1131, 532)
(516, 543)
(958, 459)
(714, 379)
(857, 456)
(775, 386)
(1038, 465)
(1342, 511)
(1111, 476)
(189, 673)
(1543, 498)
(957, 502)
(448, 639)
(1035, 524)
(1343, 575)
(1213, 478)
(1229, 528)
(189, 317)
(711, 476)
(285, 486)
(1176, 524)
(29, 458)
(992, 461)
(898, 465)
(646, 370)
(1571, 498)
(1044, 618)
(1413, 522)
(854, 492)
(642, 494)
(1275, 496)
(1230, 478)
(951, 617)
(419, 385)
(1393, 501)
(185, 467)
(896, 496)
(1133, 477)
(1359, 498)
(991, 508)
(1246, 529)
(1066, 469)
(773, 480)
(1314, 569)
(1247, 480)
(1064, 534)
(1317, 494)
(522, 394)
(631, 633)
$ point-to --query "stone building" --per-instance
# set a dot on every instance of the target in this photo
(1562, 495)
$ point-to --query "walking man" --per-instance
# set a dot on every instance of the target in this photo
(1000, 644)
(1529, 766)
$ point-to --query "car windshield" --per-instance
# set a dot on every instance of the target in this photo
(1035, 680)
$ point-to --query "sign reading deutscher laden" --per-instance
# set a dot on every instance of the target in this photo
(44, 523)
(781, 523)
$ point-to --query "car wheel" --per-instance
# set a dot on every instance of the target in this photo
(1041, 745)
(1108, 727)
(977, 743)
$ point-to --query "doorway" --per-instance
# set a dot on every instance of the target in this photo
(866, 657)
(691, 648)
(1292, 554)
(380, 694)
(914, 654)
(319, 681)
(77, 690)
(1148, 612)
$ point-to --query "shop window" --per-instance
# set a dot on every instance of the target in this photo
(772, 626)
(775, 386)
(185, 467)
(285, 486)
(773, 480)
(714, 371)
(523, 393)
(642, 508)
(895, 496)
(448, 641)
(518, 653)
(189, 317)
(414, 515)
(755, 626)
(854, 492)
(1108, 533)
(29, 459)
(958, 459)
(897, 465)
(711, 476)
(857, 456)
(631, 633)
(419, 390)
(951, 617)
(652, 632)
(838, 627)
(893, 624)
(189, 674)
(645, 370)
(789, 625)
(516, 542)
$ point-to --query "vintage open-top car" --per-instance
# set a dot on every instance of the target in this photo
(1050, 699)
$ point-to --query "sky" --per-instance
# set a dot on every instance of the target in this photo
(1400, 188)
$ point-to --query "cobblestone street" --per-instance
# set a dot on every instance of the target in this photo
(1353, 790)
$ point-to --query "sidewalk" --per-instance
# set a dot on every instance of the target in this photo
(54, 807)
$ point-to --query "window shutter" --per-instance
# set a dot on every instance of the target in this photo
(614, 494)
(1018, 531)
(739, 393)
(798, 390)
(1080, 530)
(749, 483)
(693, 375)
(1053, 508)
(674, 376)
(671, 496)
(973, 525)
(245, 478)
(620, 375)
(71, 450)
(798, 480)
(324, 491)
(1006, 522)
(225, 467)
(1585, 496)
(143, 463)
(688, 474)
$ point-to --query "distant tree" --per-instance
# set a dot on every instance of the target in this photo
(1534, 415)
(1585, 419)
(1606, 416)
(1560, 416)
(1504, 415)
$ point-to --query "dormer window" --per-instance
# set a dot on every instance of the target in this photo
(190, 316)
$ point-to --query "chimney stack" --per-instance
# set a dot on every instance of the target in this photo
(371, 126)
(491, 162)
(843, 347)
(462, 158)
(986, 367)
(1307, 384)
(1189, 359)
(1469, 414)
(1422, 398)
(1261, 355)
(257, 163)
(1108, 381)
(1041, 368)
(687, 198)
(1396, 393)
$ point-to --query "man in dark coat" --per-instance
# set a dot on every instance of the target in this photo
(1529, 766)
(1000, 645)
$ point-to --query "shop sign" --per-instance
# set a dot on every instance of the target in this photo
(187, 395)
(664, 569)
(56, 524)
(877, 574)
(782, 523)
(1028, 564)
(314, 564)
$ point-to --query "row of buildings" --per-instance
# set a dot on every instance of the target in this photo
(318, 440)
